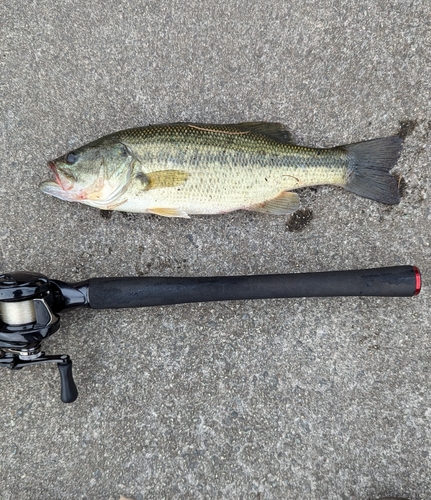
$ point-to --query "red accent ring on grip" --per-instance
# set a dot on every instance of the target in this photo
(418, 280)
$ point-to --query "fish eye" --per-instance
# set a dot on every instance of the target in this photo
(124, 152)
(71, 157)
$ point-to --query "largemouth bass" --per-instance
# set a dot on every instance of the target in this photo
(181, 169)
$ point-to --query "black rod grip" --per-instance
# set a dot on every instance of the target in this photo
(114, 293)
(69, 392)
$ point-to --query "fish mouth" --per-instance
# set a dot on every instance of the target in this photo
(53, 167)
(63, 177)
(58, 187)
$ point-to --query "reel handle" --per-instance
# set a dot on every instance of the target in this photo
(15, 361)
(69, 392)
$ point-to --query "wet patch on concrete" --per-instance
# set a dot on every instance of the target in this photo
(106, 214)
(299, 220)
(407, 128)
(129, 216)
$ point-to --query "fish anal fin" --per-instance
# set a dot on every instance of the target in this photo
(169, 212)
(164, 179)
(285, 203)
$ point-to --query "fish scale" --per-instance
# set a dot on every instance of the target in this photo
(185, 168)
(227, 171)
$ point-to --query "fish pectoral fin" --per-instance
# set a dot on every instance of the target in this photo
(164, 179)
(169, 212)
(285, 203)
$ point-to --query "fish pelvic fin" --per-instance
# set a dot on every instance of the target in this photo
(369, 164)
(169, 212)
(285, 203)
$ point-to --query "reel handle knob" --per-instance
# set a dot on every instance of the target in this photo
(69, 392)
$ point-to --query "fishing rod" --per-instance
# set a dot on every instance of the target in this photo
(30, 303)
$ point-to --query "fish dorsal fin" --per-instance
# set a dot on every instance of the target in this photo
(169, 212)
(283, 204)
(162, 179)
(275, 131)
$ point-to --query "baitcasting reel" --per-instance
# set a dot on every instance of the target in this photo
(30, 302)
(28, 306)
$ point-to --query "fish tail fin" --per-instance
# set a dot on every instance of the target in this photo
(369, 164)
